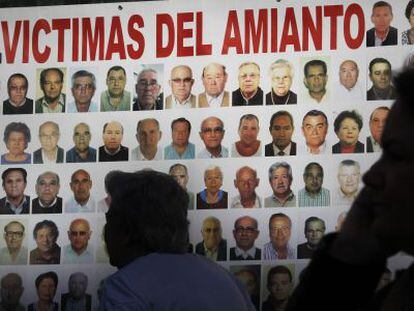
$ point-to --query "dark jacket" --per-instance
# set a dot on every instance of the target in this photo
(359, 147)
(221, 252)
(37, 156)
(269, 152)
(391, 39)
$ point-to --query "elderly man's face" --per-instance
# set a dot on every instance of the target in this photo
(45, 240)
(81, 185)
(81, 137)
(212, 132)
(79, 234)
(116, 82)
(249, 78)
(280, 286)
(246, 182)
(213, 180)
(180, 134)
(248, 280)
(316, 80)
(17, 90)
(47, 188)
(147, 89)
(11, 290)
(381, 76)
(313, 179)
(348, 178)
(112, 136)
(52, 86)
(211, 233)
(377, 123)
(381, 18)
(180, 175)
(314, 232)
(14, 236)
(281, 80)
(77, 286)
(181, 82)
(282, 131)
(214, 80)
(48, 136)
(314, 128)
(348, 74)
(280, 231)
(148, 134)
(280, 181)
(14, 185)
(83, 90)
(248, 131)
(245, 233)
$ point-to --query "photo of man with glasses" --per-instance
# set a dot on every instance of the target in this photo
(148, 89)
(14, 253)
(245, 232)
(181, 83)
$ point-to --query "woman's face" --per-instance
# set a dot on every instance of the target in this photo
(348, 132)
(46, 290)
(411, 19)
(16, 143)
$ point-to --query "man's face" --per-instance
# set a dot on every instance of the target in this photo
(316, 80)
(14, 236)
(245, 233)
(280, 181)
(16, 143)
(211, 233)
(313, 179)
(45, 240)
(79, 234)
(381, 18)
(282, 131)
(47, 188)
(248, 280)
(48, 136)
(17, 90)
(381, 76)
(81, 185)
(280, 231)
(14, 185)
(116, 82)
(314, 232)
(281, 80)
(314, 128)
(246, 182)
(280, 286)
(180, 175)
(348, 178)
(248, 131)
(249, 78)
(148, 134)
(147, 89)
(46, 290)
(213, 180)
(348, 74)
(52, 86)
(180, 134)
(83, 90)
(11, 291)
(181, 82)
(81, 137)
(214, 80)
(112, 136)
(212, 132)
(77, 286)
(377, 123)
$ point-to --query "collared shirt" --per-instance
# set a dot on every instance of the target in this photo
(171, 154)
(177, 105)
(17, 209)
(341, 198)
(344, 95)
(72, 206)
(245, 254)
(205, 154)
(378, 40)
(215, 102)
(59, 107)
(320, 199)
(285, 151)
(307, 98)
(72, 156)
(322, 149)
(124, 104)
(17, 106)
(6, 259)
(273, 201)
(236, 202)
(210, 254)
(270, 253)
(75, 304)
(376, 147)
(46, 160)
(136, 155)
(93, 107)
(70, 256)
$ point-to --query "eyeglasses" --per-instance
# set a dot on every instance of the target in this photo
(248, 230)
(283, 229)
(179, 81)
(17, 88)
(16, 234)
(78, 233)
(86, 86)
(144, 83)
(210, 130)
